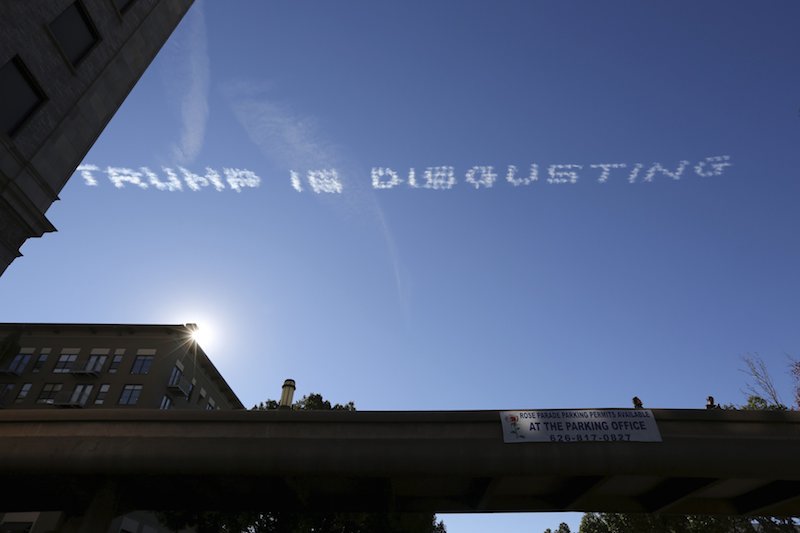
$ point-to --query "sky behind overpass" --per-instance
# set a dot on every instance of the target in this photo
(578, 283)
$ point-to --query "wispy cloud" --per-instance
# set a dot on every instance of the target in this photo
(187, 76)
(283, 136)
(291, 140)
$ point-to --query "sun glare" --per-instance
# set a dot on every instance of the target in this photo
(203, 336)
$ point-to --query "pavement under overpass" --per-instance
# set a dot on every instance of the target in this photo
(709, 462)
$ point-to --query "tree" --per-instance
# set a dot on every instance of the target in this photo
(653, 523)
(563, 527)
(762, 396)
(794, 366)
(304, 521)
(311, 402)
(762, 393)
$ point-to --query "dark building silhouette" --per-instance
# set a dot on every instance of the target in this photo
(65, 68)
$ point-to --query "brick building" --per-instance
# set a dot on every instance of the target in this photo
(114, 366)
(65, 68)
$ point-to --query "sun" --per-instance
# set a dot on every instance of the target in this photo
(202, 335)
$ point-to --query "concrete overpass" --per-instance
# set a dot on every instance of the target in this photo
(717, 462)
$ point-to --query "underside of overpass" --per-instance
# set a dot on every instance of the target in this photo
(708, 462)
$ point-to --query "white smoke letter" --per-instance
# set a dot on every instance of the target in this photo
(634, 173)
(119, 176)
(606, 167)
(173, 177)
(238, 178)
(487, 178)
(563, 173)
(412, 178)
(294, 177)
(172, 184)
(656, 167)
(213, 176)
(717, 162)
(324, 180)
(378, 173)
(516, 182)
(195, 182)
(86, 174)
(439, 178)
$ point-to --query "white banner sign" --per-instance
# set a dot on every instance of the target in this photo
(580, 425)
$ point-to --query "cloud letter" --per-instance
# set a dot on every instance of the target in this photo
(656, 167)
(606, 170)
(119, 176)
(195, 182)
(172, 184)
(516, 182)
(717, 162)
(324, 180)
(238, 178)
(563, 173)
(378, 173)
(86, 173)
(635, 172)
(294, 177)
(439, 178)
(487, 177)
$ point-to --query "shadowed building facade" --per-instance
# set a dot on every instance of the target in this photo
(71, 367)
(65, 68)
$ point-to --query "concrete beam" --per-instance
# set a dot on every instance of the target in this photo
(405, 461)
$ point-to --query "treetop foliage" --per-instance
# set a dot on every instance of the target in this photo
(310, 402)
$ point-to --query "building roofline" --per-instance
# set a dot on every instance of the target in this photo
(52, 325)
(216, 376)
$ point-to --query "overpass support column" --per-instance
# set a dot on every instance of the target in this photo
(98, 514)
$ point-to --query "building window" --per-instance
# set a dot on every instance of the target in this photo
(37, 366)
(115, 364)
(21, 96)
(5, 392)
(101, 394)
(65, 363)
(23, 392)
(96, 363)
(141, 365)
(49, 392)
(175, 376)
(166, 402)
(74, 33)
(81, 394)
(130, 394)
(19, 363)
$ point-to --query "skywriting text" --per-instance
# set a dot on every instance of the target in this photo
(236, 179)
(329, 180)
(485, 177)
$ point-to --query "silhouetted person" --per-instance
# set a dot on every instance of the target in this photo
(710, 403)
(637, 403)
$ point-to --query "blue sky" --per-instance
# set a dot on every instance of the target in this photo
(539, 295)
